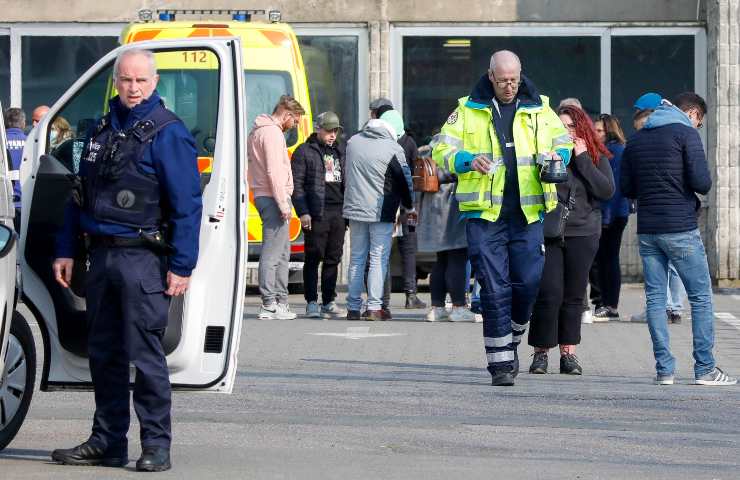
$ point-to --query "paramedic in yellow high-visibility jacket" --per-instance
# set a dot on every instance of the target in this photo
(496, 142)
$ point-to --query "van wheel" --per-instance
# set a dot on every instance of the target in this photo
(18, 377)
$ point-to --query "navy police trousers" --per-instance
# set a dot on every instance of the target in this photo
(508, 257)
(127, 313)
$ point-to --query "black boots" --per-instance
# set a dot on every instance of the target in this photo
(413, 302)
(539, 363)
(154, 459)
(88, 454)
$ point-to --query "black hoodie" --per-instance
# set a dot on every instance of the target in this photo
(503, 124)
(312, 194)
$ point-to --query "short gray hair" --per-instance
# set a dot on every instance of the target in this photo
(506, 56)
(135, 51)
(15, 118)
(572, 101)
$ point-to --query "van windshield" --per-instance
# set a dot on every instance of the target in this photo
(193, 96)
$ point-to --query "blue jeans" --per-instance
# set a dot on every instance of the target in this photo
(369, 241)
(686, 251)
(676, 292)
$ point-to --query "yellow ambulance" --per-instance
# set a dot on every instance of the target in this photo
(273, 66)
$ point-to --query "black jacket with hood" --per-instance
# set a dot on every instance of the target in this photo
(309, 184)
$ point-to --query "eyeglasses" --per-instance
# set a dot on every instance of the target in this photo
(511, 82)
(570, 126)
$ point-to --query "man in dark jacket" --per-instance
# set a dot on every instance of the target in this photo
(318, 197)
(664, 167)
(407, 243)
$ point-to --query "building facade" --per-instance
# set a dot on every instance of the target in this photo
(424, 54)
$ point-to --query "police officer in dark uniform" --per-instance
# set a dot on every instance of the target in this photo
(138, 173)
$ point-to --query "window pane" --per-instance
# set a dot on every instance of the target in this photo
(331, 63)
(439, 70)
(661, 64)
(52, 64)
(73, 122)
(5, 71)
(264, 89)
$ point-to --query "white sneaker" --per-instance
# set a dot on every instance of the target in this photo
(312, 310)
(438, 314)
(283, 312)
(586, 317)
(478, 318)
(664, 379)
(331, 309)
(716, 377)
(267, 312)
(461, 314)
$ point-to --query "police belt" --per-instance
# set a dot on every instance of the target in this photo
(110, 241)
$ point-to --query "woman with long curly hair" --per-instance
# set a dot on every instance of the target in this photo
(556, 319)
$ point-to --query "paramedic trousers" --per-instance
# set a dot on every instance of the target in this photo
(507, 257)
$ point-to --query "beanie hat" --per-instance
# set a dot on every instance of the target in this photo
(393, 118)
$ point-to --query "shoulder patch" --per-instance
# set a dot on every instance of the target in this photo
(452, 119)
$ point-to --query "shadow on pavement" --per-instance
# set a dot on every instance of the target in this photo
(26, 454)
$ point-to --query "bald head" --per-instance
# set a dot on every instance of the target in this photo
(38, 114)
(505, 73)
(505, 59)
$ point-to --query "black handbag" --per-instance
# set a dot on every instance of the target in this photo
(555, 221)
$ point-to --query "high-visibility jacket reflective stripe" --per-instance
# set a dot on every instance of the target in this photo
(469, 129)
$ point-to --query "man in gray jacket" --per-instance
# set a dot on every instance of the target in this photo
(377, 181)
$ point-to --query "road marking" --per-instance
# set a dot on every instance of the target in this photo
(357, 333)
(728, 318)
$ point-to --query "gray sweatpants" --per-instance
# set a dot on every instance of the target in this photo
(275, 254)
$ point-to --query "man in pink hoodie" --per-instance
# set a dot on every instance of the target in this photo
(271, 181)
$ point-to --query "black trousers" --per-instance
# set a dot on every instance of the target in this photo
(449, 275)
(407, 248)
(127, 312)
(610, 276)
(556, 318)
(324, 244)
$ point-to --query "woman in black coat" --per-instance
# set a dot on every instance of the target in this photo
(556, 318)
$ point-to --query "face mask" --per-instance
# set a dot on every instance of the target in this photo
(53, 136)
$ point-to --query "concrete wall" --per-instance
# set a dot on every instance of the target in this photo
(374, 10)
(723, 138)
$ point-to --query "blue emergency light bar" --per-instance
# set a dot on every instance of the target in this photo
(169, 15)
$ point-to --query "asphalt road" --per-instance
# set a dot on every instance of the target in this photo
(408, 399)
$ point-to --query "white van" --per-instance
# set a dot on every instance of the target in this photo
(202, 337)
(17, 352)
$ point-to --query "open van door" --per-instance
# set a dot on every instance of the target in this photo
(7, 261)
(206, 91)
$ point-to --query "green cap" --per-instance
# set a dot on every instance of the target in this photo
(328, 121)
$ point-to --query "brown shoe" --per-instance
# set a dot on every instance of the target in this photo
(373, 315)
(354, 315)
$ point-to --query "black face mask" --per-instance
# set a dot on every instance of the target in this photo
(291, 135)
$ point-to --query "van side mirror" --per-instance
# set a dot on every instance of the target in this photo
(7, 240)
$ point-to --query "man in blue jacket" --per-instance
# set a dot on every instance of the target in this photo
(664, 167)
(15, 124)
(138, 172)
